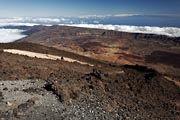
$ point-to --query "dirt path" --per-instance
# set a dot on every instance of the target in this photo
(175, 81)
(43, 56)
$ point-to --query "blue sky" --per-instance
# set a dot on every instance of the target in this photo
(9, 8)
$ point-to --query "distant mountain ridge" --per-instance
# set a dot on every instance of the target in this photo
(98, 33)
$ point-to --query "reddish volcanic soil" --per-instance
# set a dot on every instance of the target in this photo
(132, 76)
(112, 46)
(104, 91)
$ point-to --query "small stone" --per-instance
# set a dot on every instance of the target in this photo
(16, 89)
(9, 103)
(5, 88)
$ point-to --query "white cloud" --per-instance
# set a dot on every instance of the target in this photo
(96, 22)
(169, 31)
(92, 16)
(48, 20)
(18, 24)
(30, 21)
(125, 15)
(108, 15)
(10, 35)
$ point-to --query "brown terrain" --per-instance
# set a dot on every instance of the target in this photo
(155, 51)
(134, 76)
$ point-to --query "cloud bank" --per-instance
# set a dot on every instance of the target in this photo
(109, 15)
(82, 21)
(10, 35)
(168, 31)
(92, 21)
(31, 21)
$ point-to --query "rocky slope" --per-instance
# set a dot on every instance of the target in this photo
(104, 91)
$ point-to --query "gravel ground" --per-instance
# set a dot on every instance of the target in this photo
(17, 93)
(58, 90)
(28, 99)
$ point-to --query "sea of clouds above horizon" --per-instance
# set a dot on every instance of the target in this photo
(10, 35)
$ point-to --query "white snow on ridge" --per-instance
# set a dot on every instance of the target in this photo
(10, 35)
(168, 31)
